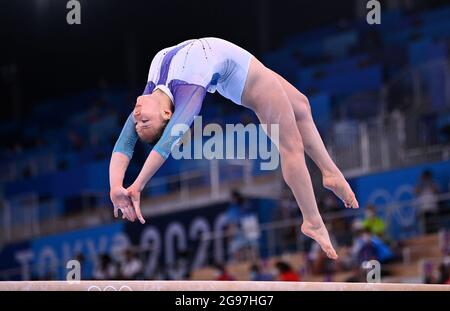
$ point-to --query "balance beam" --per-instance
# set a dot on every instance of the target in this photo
(211, 286)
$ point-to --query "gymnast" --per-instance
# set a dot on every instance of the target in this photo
(178, 80)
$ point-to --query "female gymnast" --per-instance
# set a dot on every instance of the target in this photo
(178, 80)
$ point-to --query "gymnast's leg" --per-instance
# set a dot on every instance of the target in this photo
(264, 94)
(333, 179)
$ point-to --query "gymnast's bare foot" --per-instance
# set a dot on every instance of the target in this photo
(319, 233)
(341, 188)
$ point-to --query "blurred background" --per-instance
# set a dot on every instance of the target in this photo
(380, 96)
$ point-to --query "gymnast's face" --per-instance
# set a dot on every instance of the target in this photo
(150, 118)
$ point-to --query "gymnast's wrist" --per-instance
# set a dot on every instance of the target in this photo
(114, 187)
(138, 185)
(114, 192)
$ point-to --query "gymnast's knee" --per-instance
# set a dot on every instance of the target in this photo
(292, 153)
(290, 162)
(302, 106)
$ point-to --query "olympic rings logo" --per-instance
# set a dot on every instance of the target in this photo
(109, 288)
(404, 213)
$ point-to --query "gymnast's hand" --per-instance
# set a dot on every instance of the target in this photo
(121, 201)
(151, 165)
(134, 193)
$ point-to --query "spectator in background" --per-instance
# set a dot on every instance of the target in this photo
(257, 273)
(233, 230)
(131, 267)
(359, 275)
(444, 272)
(287, 210)
(428, 275)
(427, 191)
(346, 262)
(222, 274)
(105, 268)
(317, 261)
(368, 246)
(286, 273)
(444, 241)
(329, 203)
(372, 222)
(241, 229)
(341, 226)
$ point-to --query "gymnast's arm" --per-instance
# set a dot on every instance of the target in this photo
(120, 159)
(122, 153)
(188, 99)
(124, 147)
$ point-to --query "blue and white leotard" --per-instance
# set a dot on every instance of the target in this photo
(185, 72)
